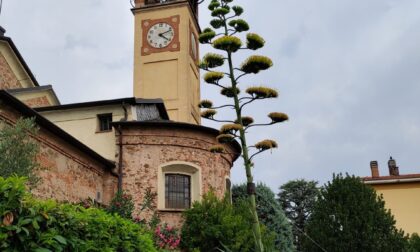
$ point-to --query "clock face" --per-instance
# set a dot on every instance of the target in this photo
(160, 35)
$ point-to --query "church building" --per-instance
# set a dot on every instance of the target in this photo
(151, 141)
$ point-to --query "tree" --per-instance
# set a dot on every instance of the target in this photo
(349, 216)
(18, 150)
(229, 26)
(414, 243)
(297, 198)
(270, 214)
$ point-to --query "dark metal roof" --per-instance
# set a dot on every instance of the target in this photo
(130, 100)
(181, 125)
(19, 56)
(51, 127)
(32, 89)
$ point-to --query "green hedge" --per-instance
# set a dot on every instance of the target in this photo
(27, 224)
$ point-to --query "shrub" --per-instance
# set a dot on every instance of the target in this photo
(167, 237)
(32, 225)
(122, 204)
(213, 225)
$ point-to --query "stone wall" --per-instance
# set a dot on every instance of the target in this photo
(67, 173)
(146, 148)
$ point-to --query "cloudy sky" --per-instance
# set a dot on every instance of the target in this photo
(348, 73)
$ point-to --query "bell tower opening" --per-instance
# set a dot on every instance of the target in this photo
(166, 55)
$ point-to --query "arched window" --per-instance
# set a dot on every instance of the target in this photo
(179, 185)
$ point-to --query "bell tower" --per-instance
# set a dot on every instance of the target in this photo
(166, 55)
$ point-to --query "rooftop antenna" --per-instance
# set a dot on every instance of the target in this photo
(1, 5)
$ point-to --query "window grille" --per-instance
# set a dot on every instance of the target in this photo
(177, 191)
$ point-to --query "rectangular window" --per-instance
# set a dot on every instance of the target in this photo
(177, 191)
(104, 122)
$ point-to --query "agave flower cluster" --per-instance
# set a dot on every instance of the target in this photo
(167, 237)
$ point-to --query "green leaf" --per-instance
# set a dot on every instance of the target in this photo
(25, 222)
(35, 224)
(60, 239)
(42, 250)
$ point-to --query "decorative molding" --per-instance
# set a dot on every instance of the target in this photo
(174, 46)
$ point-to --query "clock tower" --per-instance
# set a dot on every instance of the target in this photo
(166, 56)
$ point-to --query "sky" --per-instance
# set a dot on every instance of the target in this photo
(348, 74)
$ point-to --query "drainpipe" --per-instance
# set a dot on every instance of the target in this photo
(120, 156)
(120, 160)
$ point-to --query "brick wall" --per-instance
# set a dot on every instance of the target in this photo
(68, 174)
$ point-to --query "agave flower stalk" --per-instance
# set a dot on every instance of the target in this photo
(228, 41)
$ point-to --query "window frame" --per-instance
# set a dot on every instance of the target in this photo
(180, 168)
(100, 117)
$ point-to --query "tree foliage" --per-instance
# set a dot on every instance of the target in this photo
(18, 150)
(225, 35)
(297, 198)
(218, 225)
(349, 216)
(270, 214)
(414, 243)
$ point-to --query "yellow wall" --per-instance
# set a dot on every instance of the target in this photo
(403, 199)
(82, 124)
(172, 76)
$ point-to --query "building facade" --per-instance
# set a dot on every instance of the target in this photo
(400, 193)
(151, 142)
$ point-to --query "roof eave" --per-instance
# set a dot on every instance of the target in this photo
(390, 181)
(20, 58)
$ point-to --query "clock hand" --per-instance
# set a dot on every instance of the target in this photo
(166, 32)
(161, 35)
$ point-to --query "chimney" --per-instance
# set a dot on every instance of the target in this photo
(375, 169)
(393, 168)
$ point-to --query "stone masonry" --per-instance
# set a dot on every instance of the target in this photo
(146, 147)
